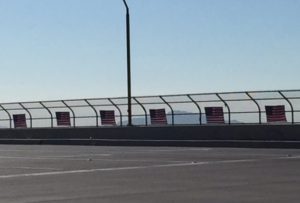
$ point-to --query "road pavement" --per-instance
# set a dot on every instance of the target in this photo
(88, 174)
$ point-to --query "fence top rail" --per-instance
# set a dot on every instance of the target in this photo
(164, 96)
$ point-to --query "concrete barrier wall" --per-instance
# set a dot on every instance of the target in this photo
(208, 135)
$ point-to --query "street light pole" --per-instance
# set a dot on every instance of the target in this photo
(128, 64)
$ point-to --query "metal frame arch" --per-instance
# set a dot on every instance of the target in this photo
(144, 109)
(73, 114)
(197, 105)
(227, 106)
(30, 116)
(172, 111)
(259, 109)
(95, 110)
(51, 115)
(291, 105)
(9, 116)
(120, 112)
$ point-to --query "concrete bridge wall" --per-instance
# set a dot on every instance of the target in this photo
(283, 136)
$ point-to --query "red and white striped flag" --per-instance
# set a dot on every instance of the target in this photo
(20, 120)
(158, 117)
(63, 118)
(108, 117)
(275, 113)
(214, 115)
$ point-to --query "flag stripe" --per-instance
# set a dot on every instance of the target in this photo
(108, 117)
(214, 115)
(20, 120)
(275, 113)
(63, 118)
(158, 117)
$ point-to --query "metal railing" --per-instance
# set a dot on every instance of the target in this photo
(182, 109)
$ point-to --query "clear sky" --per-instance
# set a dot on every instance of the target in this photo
(67, 49)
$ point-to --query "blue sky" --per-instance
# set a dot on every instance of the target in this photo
(63, 49)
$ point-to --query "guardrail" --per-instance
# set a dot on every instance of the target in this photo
(182, 109)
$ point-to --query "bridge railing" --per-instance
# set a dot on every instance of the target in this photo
(181, 109)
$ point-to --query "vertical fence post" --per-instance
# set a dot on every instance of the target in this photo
(97, 118)
(30, 116)
(291, 105)
(74, 116)
(197, 105)
(120, 112)
(226, 105)
(172, 112)
(259, 110)
(9, 116)
(139, 103)
(51, 116)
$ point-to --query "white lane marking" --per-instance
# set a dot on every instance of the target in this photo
(14, 150)
(31, 168)
(86, 157)
(192, 149)
(79, 155)
(175, 150)
(56, 157)
(290, 157)
(141, 167)
(44, 151)
(124, 168)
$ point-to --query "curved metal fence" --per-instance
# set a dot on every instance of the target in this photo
(182, 109)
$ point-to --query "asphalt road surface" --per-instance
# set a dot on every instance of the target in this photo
(73, 174)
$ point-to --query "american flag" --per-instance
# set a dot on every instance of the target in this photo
(275, 113)
(214, 115)
(108, 117)
(63, 118)
(20, 120)
(158, 117)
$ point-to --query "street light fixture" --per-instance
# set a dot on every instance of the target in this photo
(128, 64)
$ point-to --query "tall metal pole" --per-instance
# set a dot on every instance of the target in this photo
(128, 64)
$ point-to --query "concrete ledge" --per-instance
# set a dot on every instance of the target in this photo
(287, 136)
(170, 143)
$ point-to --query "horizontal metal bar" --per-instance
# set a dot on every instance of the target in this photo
(155, 96)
